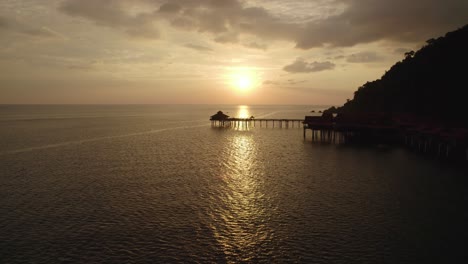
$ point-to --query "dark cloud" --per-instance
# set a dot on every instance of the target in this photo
(363, 57)
(301, 66)
(197, 47)
(360, 21)
(369, 20)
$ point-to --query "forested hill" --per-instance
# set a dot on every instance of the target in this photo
(431, 82)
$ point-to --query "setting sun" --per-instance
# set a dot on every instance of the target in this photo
(243, 82)
(243, 79)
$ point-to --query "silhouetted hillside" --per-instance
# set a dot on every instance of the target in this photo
(431, 82)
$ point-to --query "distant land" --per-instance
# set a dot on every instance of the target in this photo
(430, 83)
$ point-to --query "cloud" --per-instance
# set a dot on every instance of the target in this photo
(224, 19)
(81, 67)
(301, 66)
(169, 8)
(288, 82)
(293, 82)
(113, 14)
(144, 32)
(197, 47)
(15, 26)
(229, 37)
(183, 24)
(336, 23)
(360, 21)
(369, 20)
(44, 32)
(363, 57)
(270, 82)
(255, 45)
(104, 12)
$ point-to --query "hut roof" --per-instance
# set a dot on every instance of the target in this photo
(219, 116)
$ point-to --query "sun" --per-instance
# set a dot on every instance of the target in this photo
(243, 80)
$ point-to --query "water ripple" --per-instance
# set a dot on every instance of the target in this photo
(199, 195)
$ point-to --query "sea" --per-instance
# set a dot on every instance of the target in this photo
(160, 184)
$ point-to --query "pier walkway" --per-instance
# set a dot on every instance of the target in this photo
(418, 134)
(262, 122)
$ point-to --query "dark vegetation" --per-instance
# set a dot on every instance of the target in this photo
(430, 84)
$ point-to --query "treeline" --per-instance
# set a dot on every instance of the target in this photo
(430, 83)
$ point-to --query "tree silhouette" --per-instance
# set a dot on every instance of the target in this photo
(430, 82)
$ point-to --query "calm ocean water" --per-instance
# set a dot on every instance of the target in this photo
(158, 184)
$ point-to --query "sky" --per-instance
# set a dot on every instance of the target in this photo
(309, 52)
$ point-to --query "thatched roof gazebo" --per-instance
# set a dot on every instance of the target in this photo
(220, 116)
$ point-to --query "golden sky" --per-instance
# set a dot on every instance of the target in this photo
(315, 52)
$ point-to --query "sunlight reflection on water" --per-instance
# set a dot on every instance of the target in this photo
(243, 111)
(244, 212)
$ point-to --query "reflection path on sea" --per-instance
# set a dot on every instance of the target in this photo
(240, 219)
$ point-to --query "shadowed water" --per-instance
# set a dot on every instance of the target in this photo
(158, 184)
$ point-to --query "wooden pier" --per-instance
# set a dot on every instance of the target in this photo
(261, 122)
(417, 134)
(222, 120)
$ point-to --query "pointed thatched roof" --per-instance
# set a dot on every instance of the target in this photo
(219, 116)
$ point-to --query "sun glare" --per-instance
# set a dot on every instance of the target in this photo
(243, 111)
(243, 80)
(243, 83)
